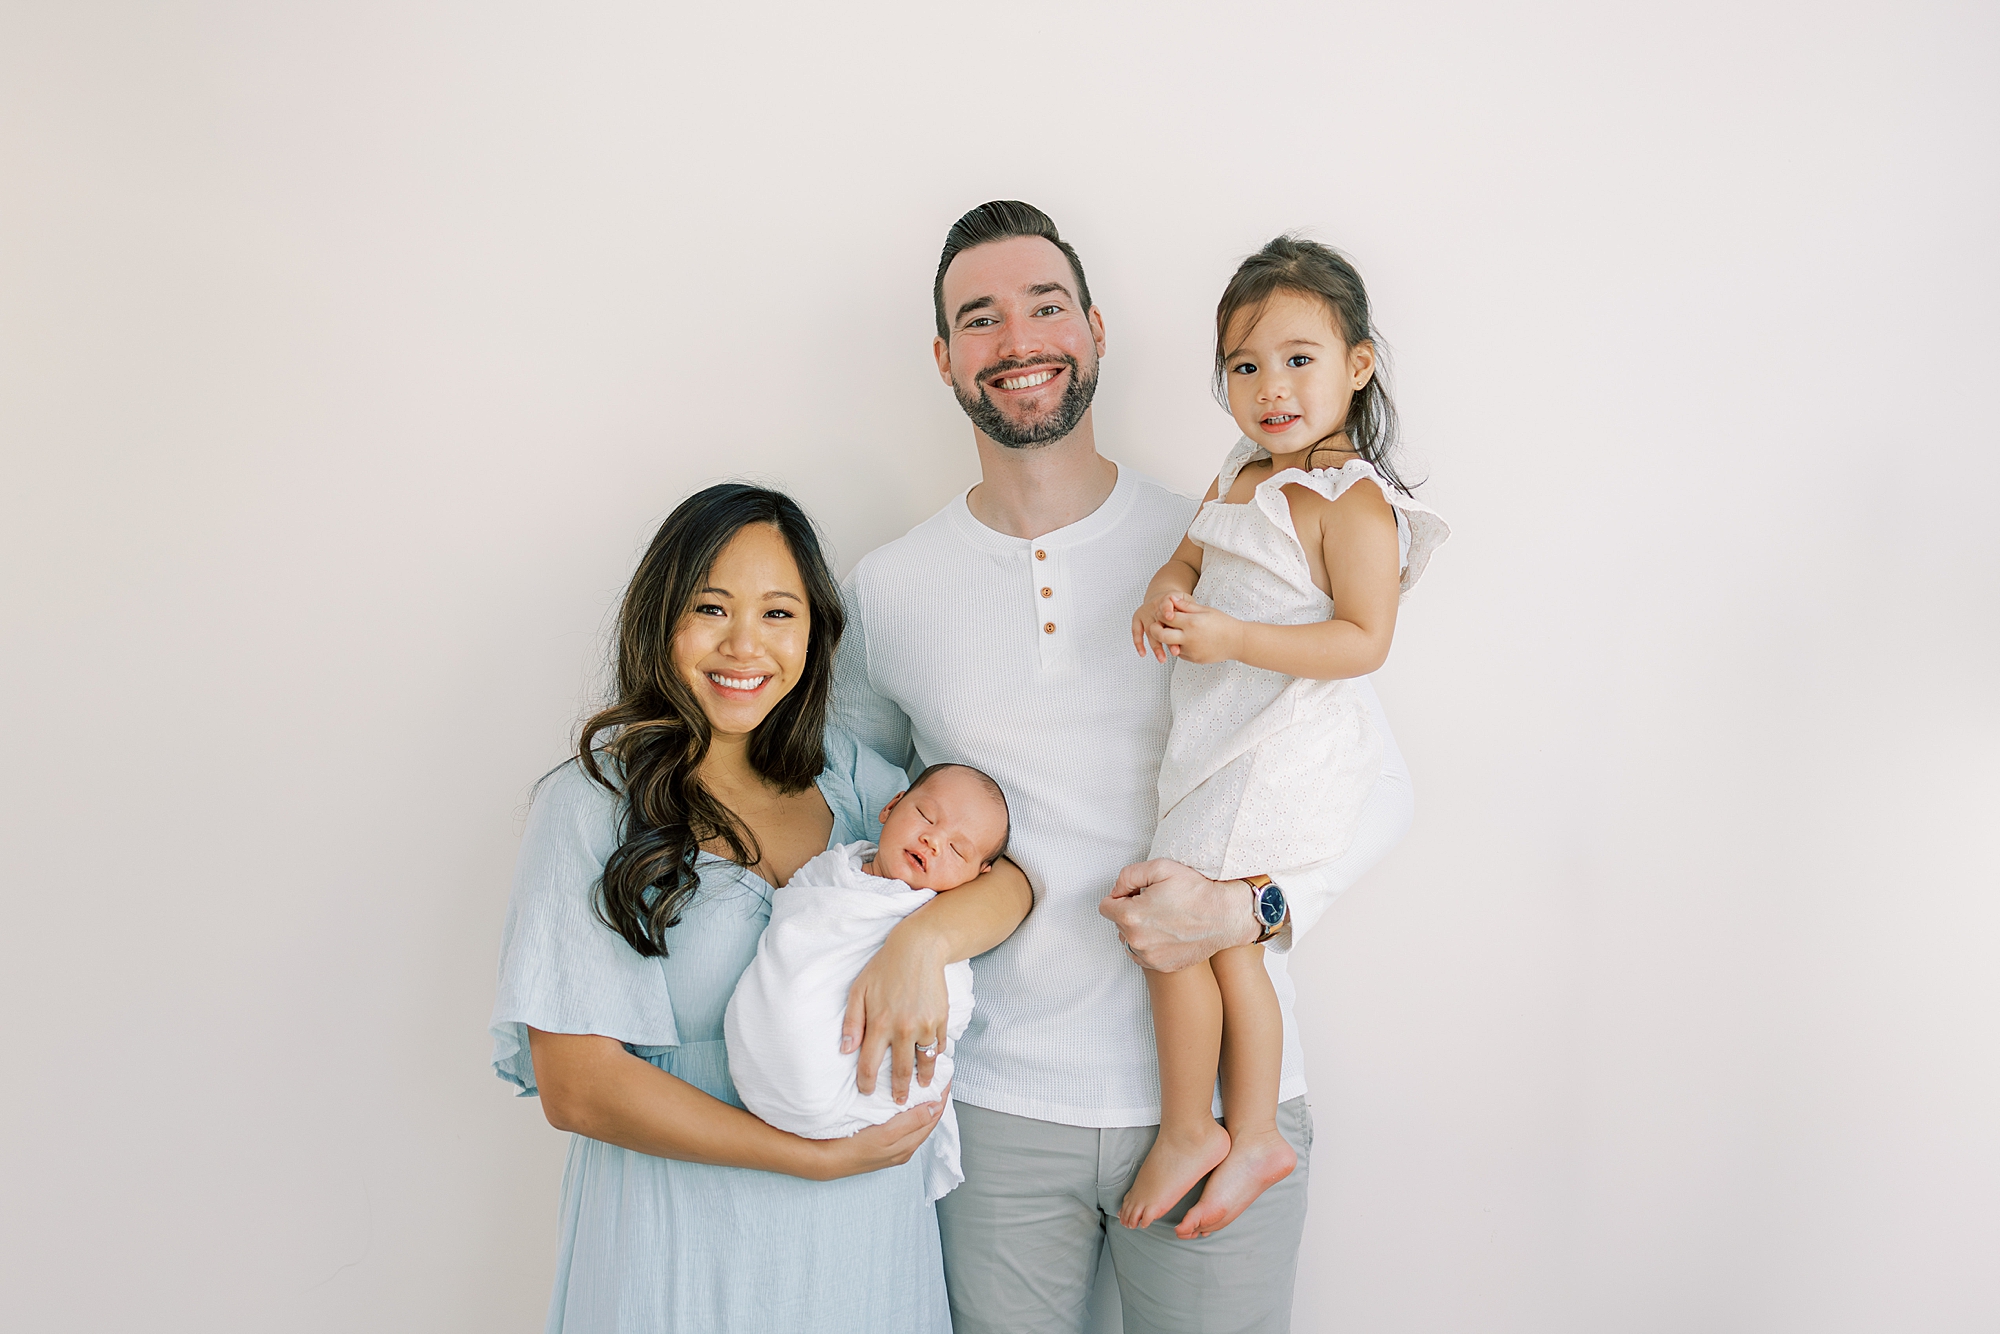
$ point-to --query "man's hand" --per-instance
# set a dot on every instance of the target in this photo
(1170, 917)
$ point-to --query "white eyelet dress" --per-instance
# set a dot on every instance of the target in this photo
(1266, 772)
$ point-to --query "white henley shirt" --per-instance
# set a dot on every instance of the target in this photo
(1015, 655)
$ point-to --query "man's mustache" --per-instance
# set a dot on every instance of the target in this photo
(1010, 365)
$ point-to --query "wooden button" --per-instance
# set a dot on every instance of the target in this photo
(1040, 554)
(1048, 592)
(1048, 627)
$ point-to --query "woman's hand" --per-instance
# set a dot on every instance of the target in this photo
(1197, 633)
(890, 1144)
(898, 1005)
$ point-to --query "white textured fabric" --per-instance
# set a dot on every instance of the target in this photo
(1266, 772)
(1072, 723)
(783, 1022)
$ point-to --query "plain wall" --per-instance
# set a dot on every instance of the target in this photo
(349, 354)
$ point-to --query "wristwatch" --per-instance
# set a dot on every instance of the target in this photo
(1267, 904)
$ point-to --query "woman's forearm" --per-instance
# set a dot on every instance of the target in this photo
(969, 920)
(594, 1087)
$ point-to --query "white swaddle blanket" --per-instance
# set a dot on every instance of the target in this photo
(783, 1022)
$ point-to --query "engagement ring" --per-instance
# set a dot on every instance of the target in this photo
(927, 1051)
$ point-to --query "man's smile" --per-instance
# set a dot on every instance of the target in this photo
(1017, 380)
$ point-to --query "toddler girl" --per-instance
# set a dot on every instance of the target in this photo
(1282, 593)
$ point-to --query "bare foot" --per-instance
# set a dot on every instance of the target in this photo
(1257, 1161)
(1171, 1170)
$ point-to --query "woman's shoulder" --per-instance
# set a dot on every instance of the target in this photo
(857, 782)
(571, 787)
(842, 749)
(571, 807)
(850, 761)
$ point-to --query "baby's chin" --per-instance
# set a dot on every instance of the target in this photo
(895, 864)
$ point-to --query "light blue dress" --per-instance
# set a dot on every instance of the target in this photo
(649, 1244)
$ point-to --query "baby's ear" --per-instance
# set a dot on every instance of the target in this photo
(986, 866)
(892, 805)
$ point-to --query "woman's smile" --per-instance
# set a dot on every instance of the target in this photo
(738, 686)
(742, 646)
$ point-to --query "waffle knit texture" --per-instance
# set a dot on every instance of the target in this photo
(954, 652)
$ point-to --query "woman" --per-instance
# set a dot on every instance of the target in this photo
(644, 882)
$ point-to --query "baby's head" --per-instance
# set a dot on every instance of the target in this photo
(951, 825)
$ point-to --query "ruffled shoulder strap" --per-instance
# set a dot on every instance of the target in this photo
(1240, 454)
(1422, 526)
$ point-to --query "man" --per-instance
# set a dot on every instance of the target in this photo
(997, 634)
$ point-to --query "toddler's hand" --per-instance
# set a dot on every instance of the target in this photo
(1147, 623)
(1196, 633)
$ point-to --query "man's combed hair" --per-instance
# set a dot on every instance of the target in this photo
(1002, 220)
(1006, 828)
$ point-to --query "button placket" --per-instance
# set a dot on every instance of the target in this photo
(1045, 574)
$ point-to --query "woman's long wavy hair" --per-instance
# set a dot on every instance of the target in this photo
(658, 733)
(1319, 273)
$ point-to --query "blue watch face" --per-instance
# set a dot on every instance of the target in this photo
(1271, 905)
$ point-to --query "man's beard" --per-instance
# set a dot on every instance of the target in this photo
(1054, 425)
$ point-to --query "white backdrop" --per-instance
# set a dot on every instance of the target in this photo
(349, 354)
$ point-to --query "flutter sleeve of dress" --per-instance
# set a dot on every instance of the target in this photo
(562, 970)
(859, 709)
(857, 784)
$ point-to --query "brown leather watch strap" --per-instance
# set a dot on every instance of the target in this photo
(1257, 885)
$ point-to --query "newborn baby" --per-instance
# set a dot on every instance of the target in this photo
(783, 1022)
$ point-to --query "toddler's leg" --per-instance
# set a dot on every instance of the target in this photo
(1187, 1024)
(1253, 1056)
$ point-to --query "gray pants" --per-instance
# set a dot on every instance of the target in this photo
(1022, 1235)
